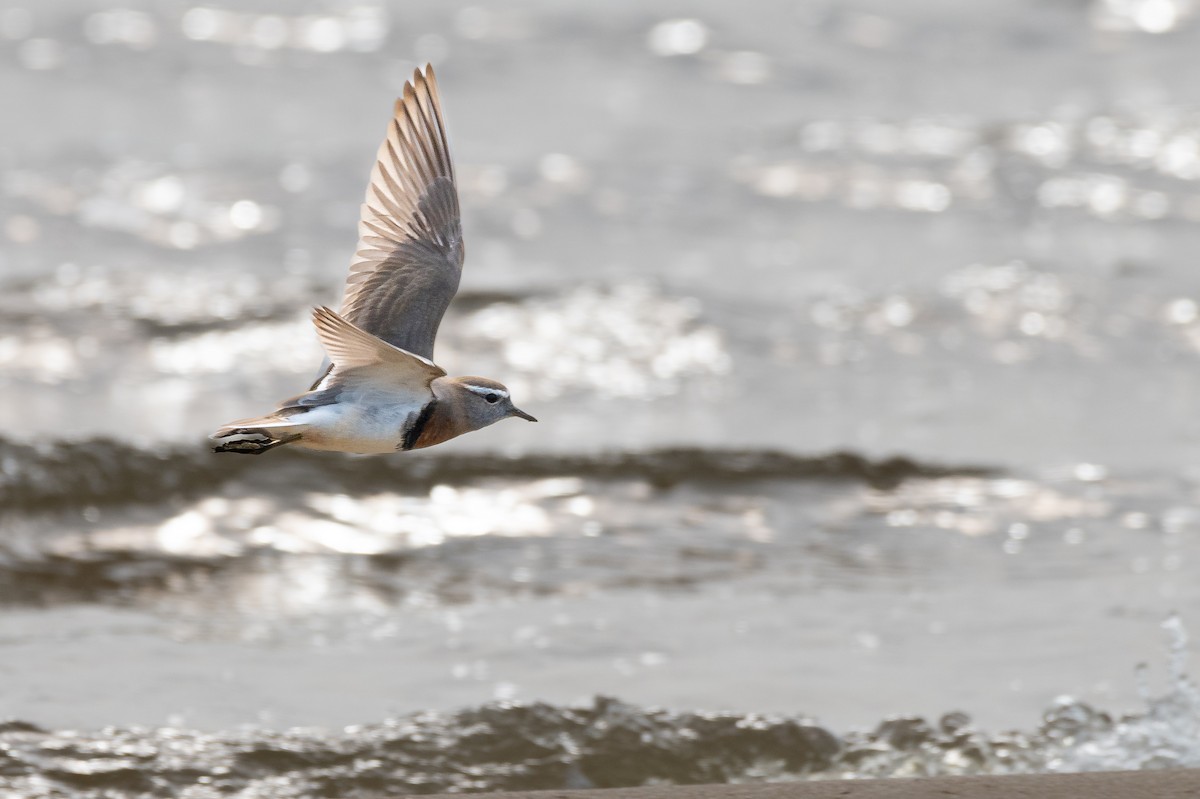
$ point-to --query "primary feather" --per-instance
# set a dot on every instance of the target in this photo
(409, 260)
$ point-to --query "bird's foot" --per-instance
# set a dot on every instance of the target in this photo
(251, 442)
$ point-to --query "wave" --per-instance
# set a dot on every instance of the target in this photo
(70, 474)
(607, 744)
(604, 744)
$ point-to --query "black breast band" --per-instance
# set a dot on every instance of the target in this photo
(418, 426)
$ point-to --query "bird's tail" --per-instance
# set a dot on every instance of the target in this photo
(256, 436)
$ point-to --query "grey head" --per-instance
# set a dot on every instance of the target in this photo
(477, 401)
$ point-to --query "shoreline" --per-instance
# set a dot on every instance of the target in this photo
(1151, 784)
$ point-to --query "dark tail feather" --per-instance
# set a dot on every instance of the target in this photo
(253, 440)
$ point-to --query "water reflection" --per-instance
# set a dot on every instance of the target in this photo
(926, 164)
(465, 542)
(1142, 16)
(126, 26)
(630, 341)
(976, 507)
(358, 27)
(674, 37)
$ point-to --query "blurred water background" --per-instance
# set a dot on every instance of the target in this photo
(864, 337)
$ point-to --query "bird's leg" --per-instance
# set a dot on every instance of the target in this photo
(254, 446)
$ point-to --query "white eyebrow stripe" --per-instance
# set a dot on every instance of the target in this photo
(483, 391)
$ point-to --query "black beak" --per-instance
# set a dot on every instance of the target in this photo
(523, 415)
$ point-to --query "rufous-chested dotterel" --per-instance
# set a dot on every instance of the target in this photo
(381, 391)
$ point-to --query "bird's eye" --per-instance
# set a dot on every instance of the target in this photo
(491, 397)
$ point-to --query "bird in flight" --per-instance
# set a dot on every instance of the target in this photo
(381, 391)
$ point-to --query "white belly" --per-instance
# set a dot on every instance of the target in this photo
(364, 429)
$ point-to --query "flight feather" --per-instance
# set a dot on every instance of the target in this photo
(409, 259)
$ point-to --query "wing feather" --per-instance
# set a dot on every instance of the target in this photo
(408, 261)
(351, 347)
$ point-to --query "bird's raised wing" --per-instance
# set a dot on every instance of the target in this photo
(410, 249)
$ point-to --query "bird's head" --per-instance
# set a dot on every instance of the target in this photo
(483, 402)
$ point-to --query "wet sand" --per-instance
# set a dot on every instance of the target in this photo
(1095, 785)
